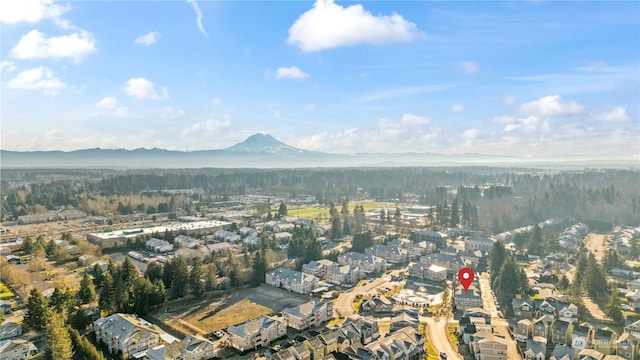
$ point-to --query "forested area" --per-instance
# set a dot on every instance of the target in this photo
(504, 198)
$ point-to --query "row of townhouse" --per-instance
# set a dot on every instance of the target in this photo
(256, 333)
(561, 310)
(453, 263)
(319, 268)
(131, 337)
(17, 349)
(308, 315)
(159, 246)
(391, 254)
(415, 249)
(341, 342)
(291, 280)
(333, 272)
(467, 299)
(366, 262)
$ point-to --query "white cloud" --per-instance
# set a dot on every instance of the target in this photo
(470, 134)
(31, 12)
(216, 101)
(509, 100)
(169, 113)
(109, 102)
(310, 106)
(9, 65)
(458, 108)
(141, 88)
(505, 119)
(205, 130)
(199, 17)
(468, 66)
(551, 105)
(292, 73)
(414, 120)
(529, 125)
(121, 112)
(328, 25)
(40, 78)
(148, 38)
(618, 114)
(34, 45)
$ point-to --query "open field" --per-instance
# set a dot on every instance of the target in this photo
(323, 212)
(227, 310)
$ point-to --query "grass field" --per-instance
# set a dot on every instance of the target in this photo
(315, 212)
(5, 292)
(210, 317)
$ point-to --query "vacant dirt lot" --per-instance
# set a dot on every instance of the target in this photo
(226, 310)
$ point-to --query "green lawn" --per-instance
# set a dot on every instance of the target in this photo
(314, 212)
(5, 292)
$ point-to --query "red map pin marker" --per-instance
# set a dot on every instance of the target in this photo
(465, 275)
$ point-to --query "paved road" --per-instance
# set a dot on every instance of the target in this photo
(438, 335)
(343, 306)
(500, 325)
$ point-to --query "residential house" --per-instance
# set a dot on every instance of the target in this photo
(524, 329)
(535, 350)
(522, 308)
(567, 312)
(346, 274)
(404, 344)
(490, 348)
(17, 349)
(582, 336)
(255, 333)
(590, 354)
(291, 280)
(367, 263)
(186, 241)
(126, 334)
(544, 307)
(421, 248)
(192, 347)
(481, 243)
(438, 238)
(451, 262)
(561, 332)
(319, 268)
(309, 314)
(465, 299)
(330, 340)
(316, 348)
(542, 326)
(10, 330)
(431, 272)
(477, 315)
(628, 346)
(159, 246)
(604, 340)
(377, 304)
(358, 332)
(392, 254)
(562, 352)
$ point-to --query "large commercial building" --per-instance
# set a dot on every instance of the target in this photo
(110, 237)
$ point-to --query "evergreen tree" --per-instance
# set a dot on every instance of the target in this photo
(612, 309)
(346, 228)
(52, 249)
(536, 245)
(195, 279)
(60, 301)
(496, 258)
(58, 344)
(282, 209)
(38, 312)
(361, 241)
(344, 211)
(455, 216)
(153, 272)
(27, 245)
(509, 282)
(211, 277)
(336, 228)
(259, 269)
(180, 279)
(233, 269)
(106, 302)
(563, 283)
(87, 290)
(129, 272)
(97, 275)
(596, 279)
(383, 217)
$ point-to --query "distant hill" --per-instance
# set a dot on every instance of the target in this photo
(264, 151)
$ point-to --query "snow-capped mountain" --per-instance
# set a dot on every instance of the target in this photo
(265, 144)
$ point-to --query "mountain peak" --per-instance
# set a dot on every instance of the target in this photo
(263, 143)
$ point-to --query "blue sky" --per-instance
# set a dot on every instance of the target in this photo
(523, 78)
